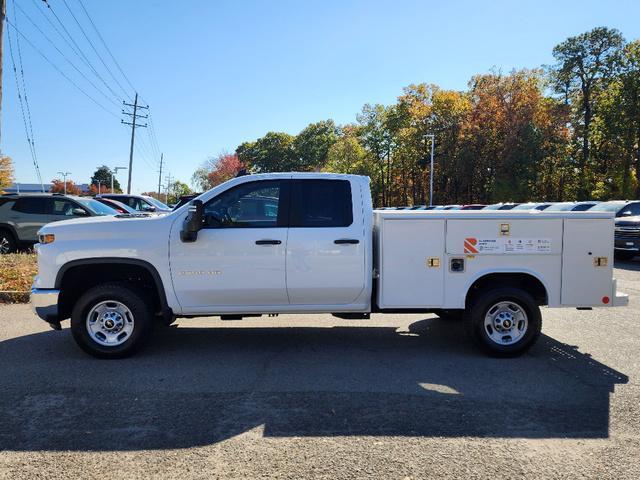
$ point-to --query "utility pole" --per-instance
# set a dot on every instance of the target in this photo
(160, 175)
(115, 172)
(433, 141)
(134, 116)
(64, 176)
(166, 192)
(3, 13)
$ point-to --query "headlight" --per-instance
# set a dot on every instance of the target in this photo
(46, 238)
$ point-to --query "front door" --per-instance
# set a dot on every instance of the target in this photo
(239, 256)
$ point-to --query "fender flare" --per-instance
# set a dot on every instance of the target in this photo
(162, 295)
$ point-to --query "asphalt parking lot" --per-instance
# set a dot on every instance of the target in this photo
(397, 396)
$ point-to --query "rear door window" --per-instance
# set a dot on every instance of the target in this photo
(32, 205)
(321, 203)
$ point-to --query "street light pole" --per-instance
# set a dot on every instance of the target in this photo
(64, 176)
(433, 141)
(115, 172)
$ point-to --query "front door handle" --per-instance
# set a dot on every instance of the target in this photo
(349, 241)
(268, 242)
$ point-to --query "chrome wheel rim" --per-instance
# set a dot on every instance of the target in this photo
(4, 245)
(110, 323)
(506, 323)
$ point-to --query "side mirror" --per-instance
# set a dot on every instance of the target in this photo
(148, 208)
(193, 223)
(79, 212)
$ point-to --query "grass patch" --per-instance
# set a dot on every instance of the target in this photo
(16, 276)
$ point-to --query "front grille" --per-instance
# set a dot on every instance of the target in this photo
(627, 232)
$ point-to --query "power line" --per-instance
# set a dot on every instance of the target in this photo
(59, 71)
(93, 46)
(26, 97)
(153, 133)
(67, 59)
(106, 47)
(73, 45)
(27, 131)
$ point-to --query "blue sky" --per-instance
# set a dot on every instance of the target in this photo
(217, 73)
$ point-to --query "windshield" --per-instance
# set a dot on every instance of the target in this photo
(493, 207)
(156, 203)
(561, 207)
(96, 207)
(607, 207)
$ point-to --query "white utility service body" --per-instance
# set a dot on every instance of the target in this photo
(309, 243)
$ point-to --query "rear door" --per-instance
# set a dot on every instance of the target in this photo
(326, 247)
(29, 214)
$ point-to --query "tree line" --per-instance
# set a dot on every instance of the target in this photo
(567, 131)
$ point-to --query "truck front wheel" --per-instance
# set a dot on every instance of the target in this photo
(111, 321)
(504, 321)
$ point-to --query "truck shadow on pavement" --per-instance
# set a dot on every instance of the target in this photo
(198, 386)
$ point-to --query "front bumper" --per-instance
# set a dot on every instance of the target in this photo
(44, 303)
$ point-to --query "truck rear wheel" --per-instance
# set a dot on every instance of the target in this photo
(504, 321)
(111, 321)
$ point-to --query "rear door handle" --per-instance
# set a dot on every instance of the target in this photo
(349, 241)
(268, 242)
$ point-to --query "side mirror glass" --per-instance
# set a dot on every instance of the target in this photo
(79, 212)
(193, 222)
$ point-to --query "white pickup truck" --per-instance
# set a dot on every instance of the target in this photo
(309, 243)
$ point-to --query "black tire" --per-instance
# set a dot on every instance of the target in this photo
(138, 305)
(624, 255)
(7, 242)
(453, 315)
(488, 299)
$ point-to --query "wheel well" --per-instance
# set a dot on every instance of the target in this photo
(7, 228)
(77, 279)
(525, 281)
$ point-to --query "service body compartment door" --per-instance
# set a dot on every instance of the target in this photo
(411, 260)
(588, 245)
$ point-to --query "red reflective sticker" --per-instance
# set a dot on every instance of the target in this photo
(605, 300)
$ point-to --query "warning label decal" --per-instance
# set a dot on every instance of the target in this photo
(473, 245)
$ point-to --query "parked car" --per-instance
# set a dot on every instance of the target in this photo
(116, 205)
(501, 206)
(532, 206)
(627, 226)
(572, 206)
(622, 208)
(22, 215)
(473, 206)
(140, 203)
